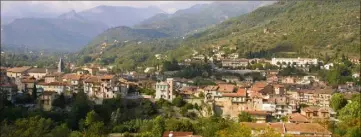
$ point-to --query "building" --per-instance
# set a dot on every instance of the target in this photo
(314, 112)
(301, 62)
(39, 73)
(279, 89)
(293, 129)
(328, 66)
(236, 98)
(297, 118)
(282, 107)
(260, 116)
(46, 99)
(105, 86)
(234, 63)
(7, 86)
(165, 90)
(17, 71)
(60, 65)
(318, 97)
(57, 87)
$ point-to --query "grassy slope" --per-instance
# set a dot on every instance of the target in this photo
(309, 28)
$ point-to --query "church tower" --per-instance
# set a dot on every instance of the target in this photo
(61, 65)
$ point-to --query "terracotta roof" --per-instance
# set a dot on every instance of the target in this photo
(260, 84)
(211, 88)
(226, 87)
(19, 69)
(41, 70)
(256, 95)
(240, 93)
(28, 80)
(188, 90)
(257, 112)
(324, 91)
(107, 76)
(55, 74)
(72, 76)
(53, 84)
(298, 118)
(92, 79)
(177, 134)
(278, 86)
(313, 128)
(276, 126)
(314, 108)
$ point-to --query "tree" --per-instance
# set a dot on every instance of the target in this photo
(159, 127)
(351, 110)
(178, 101)
(91, 117)
(60, 131)
(235, 130)
(269, 132)
(244, 117)
(60, 101)
(338, 101)
(34, 93)
(28, 127)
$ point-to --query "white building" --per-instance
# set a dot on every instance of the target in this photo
(328, 66)
(298, 61)
(165, 90)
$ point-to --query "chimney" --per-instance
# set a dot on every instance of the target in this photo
(170, 134)
(46, 71)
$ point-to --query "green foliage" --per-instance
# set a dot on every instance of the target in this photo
(337, 101)
(27, 127)
(195, 70)
(147, 91)
(159, 127)
(244, 117)
(235, 130)
(170, 65)
(178, 101)
(351, 110)
(59, 102)
(339, 74)
(291, 71)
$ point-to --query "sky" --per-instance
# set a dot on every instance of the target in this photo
(23, 8)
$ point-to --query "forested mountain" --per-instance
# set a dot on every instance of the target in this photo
(70, 31)
(303, 28)
(54, 33)
(197, 16)
(292, 28)
(114, 16)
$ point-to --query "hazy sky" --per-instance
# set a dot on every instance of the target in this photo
(17, 8)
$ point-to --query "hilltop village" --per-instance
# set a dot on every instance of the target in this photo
(291, 102)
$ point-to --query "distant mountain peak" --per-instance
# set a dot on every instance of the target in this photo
(71, 15)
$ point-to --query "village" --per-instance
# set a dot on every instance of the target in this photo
(288, 104)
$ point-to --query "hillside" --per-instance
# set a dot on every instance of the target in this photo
(304, 28)
(55, 34)
(114, 16)
(197, 16)
(122, 34)
(70, 31)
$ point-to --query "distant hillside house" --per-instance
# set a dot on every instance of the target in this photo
(39, 73)
(301, 62)
(17, 71)
(234, 63)
(165, 90)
